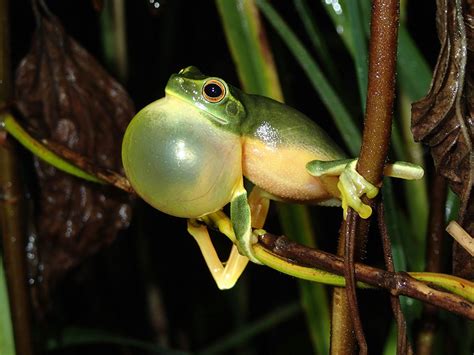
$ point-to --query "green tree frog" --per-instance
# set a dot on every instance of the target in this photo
(187, 155)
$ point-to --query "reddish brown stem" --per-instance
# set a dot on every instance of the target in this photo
(403, 345)
(398, 283)
(378, 119)
(434, 257)
(11, 216)
(349, 265)
(381, 89)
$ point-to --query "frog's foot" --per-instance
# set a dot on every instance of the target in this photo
(225, 274)
(404, 170)
(351, 184)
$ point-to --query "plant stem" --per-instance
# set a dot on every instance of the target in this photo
(114, 41)
(381, 90)
(434, 256)
(415, 285)
(11, 212)
(377, 125)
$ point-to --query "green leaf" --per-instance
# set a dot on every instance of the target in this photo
(231, 341)
(75, 336)
(342, 119)
(296, 225)
(7, 342)
(360, 47)
(316, 37)
(256, 69)
(251, 55)
(413, 70)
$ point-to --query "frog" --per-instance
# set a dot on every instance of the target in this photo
(196, 151)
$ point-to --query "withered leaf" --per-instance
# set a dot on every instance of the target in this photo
(66, 97)
(444, 118)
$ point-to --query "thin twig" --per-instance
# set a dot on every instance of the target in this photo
(349, 263)
(379, 106)
(403, 345)
(429, 323)
(11, 208)
(399, 283)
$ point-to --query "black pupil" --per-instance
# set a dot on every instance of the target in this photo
(213, 90)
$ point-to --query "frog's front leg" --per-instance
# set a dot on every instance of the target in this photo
(226, 275)
(241, 217)
(352, 185)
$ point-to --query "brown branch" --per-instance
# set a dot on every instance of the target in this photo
(381, 89)
(11, 211)
(434, 256)
(403, 345)
(398, 283)
(378, 120)
(349, 265)
(107, 175)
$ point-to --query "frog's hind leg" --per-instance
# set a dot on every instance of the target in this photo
(259, 205)
(226, 275)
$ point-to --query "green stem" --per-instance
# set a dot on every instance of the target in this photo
(114, 41)
(245, 34)
(7, 343)
(276, 316)
(8, 122)
(12, 224)
(453, 284)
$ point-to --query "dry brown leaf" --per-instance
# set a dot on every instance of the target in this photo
(66, 97)
(444, 118)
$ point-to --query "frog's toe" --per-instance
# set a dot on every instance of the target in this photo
(352, 186)
(320, 168)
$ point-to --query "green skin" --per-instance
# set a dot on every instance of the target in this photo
(186, 155)
(218, 136)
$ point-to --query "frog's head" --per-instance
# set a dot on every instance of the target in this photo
(182, 153)
(211, 94)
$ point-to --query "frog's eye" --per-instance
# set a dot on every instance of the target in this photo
(213, 90)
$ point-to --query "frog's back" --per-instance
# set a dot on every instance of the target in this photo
(278, 141)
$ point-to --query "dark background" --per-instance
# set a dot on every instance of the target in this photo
(111, 290)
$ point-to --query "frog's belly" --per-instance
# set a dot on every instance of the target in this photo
(281, 171)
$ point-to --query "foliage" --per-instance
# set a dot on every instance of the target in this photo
(149, 291)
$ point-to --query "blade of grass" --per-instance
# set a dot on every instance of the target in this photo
(316, 38)
(409, 58)
(229, 342)
(73, 336)
(8, 122)
(7, 343)
(452, 206)
(258, 74)
(342, 119)
(360, 47)
(416, 192)
(337, 11)
(296, 222)
(414, 71)
(242, 27)
(114, 43)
